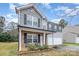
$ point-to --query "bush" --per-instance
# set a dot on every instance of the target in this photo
(32, 47)
(5, 37)
(45, 46)
(40, 47)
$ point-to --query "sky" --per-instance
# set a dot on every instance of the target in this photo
(53, 11)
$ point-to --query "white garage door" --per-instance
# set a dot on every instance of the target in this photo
(57, 41)
(50, 40)
(77, 39)
(53, 40)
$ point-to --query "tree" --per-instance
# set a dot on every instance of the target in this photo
(2, 20)
(12, 25)
(63, 23)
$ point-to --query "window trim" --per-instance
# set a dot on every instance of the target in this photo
(32, 38)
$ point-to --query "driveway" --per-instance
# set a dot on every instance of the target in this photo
(71, 48)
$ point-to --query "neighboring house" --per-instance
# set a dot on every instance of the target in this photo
(71, 34)
(2, 20)
(34, 27)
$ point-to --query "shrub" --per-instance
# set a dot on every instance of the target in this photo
(5, 37)
(45, 46)
(40, 47)
(32, 47)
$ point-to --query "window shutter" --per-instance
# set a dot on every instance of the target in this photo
(25, 37)
(38, 38)
(38, 22)
(25, 19)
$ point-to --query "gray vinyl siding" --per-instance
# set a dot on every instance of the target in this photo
(70, 33)
(53, 27)
(69, 37)
(42, 22)
(29, 12)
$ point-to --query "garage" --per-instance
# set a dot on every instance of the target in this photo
(55, 39)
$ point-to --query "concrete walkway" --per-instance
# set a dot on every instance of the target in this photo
(71, 48)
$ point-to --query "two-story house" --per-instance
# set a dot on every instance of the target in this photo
(33, 26)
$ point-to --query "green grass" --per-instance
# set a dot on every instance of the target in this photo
(71, 44)
(8, 49)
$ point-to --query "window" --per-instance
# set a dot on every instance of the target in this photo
(44, 24)
(32, 21)
(35, 38)
(29, 20)
(29, 38)
(25, 19)
(35, 22)
(32, 38)
(55, 27)
(59, 28)
(50, 27)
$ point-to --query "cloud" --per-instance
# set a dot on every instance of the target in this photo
(61, 11)
(55, 20)
(12, 6)
(61, 8)
(23, 3)
(74, 13)
(77, 7)
(14, 20)
(47, 5)
(11, 17)
(67, 11)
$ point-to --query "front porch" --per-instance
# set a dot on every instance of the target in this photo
(30, 35)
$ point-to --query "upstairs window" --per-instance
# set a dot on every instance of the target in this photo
(55, 27)
(44, 24)
(60, 28)
(35, 21)
(50, 27)
(29, 20)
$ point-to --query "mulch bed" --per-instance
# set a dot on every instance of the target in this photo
(49, 52)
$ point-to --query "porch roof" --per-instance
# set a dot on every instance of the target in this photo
(34, 29)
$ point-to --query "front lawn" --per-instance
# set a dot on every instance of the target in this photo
(71, 44)
(8, 49)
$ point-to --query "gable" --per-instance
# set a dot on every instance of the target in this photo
(31, 11)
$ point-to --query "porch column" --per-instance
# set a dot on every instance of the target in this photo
(19, 40)
(41, 40)
(19, 17)
(44, 38)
